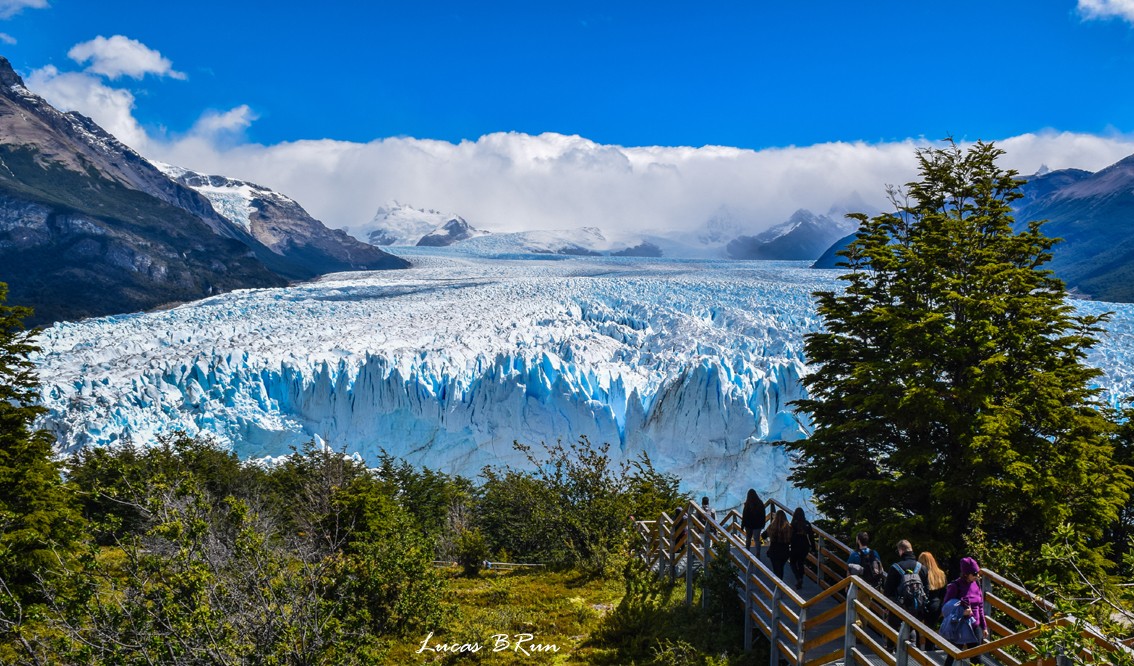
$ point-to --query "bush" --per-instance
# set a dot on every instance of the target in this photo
(472, 551)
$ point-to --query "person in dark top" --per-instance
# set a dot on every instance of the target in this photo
(779, 542)
(753, 520)
(861, 559)
(907, 563)
(802, 542)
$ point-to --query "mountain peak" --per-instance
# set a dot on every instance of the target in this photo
(8, 76)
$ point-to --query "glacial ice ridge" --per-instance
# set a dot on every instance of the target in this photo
(445, 364)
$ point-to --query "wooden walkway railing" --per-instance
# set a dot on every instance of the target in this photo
(838, 618)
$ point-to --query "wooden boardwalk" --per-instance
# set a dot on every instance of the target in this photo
(836, 618)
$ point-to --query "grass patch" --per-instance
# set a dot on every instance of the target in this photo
(555, 608)
(639, 620)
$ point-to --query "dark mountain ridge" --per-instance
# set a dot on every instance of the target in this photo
(1093, 214)
(89, 227)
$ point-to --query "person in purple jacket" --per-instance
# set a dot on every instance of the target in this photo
(967, 589)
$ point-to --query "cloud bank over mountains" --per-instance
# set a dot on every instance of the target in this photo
(509, 181)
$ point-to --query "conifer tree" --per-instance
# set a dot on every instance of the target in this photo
(38, 515)
(951, 404)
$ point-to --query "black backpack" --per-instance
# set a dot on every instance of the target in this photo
(872, 569)
(911, 590)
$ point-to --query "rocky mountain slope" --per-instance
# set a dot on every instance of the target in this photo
(284, 227)
(89, 227)
(804, 235)
(398, 224)
(1094, 215)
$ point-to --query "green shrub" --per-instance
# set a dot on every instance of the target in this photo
(472, 550)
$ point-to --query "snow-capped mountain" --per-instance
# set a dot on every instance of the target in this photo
(581, 242)
(90, 227)
(399, 224)
(446, 363)
(283, 226)
(456, 229)
(804, 235)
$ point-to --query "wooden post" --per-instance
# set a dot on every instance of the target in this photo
(748, 628)
(688, 561)
(819, 565)
(848, 636)
(774, 626)
(672, 551)
(902, 654)
(799, 632)
(706, 543)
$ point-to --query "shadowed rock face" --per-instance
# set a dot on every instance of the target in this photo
(281, 225)
(804, 236)
(452, 231)
(89, 227)
(1093, 214)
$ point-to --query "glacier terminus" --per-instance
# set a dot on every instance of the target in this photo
(692, 361)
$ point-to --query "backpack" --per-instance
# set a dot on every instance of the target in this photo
(872, 570)
(911, 590)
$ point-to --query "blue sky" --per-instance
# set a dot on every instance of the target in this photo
(233, 86)
(747, 74)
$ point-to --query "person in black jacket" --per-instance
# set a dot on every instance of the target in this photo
(779, 542)
(802, 542)
(753, 519)
(907, 563)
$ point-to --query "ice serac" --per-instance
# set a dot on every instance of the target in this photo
(447, 363)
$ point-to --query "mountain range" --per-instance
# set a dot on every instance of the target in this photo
(1093, 214)
(398, 224)
(89, 227)
(804, 235)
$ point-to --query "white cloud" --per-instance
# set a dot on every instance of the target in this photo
(6, 38)
(218, 123)
(511, 181)
(111, 108)
(1101, 9)
(122, 56)
(9, 8)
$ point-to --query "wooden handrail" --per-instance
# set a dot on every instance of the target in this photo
(779, 612)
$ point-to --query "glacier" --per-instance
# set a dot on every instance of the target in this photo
(447, 363)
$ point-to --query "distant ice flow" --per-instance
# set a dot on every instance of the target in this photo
(694, 362)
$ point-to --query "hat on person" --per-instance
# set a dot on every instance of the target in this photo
(969, 566)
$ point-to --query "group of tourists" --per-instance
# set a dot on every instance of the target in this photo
(915, 582)
(788, 542)
(919, 585)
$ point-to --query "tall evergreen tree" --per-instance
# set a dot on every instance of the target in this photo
(37, 512)
(951, 403)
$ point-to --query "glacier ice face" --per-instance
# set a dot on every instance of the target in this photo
(446, 363)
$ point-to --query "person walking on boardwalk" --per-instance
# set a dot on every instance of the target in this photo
(970, 597)
(779, 542)
(708, 509)
(935, 591)
(906, 584)
(753, 520)
(865, 562)
(802, 543)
